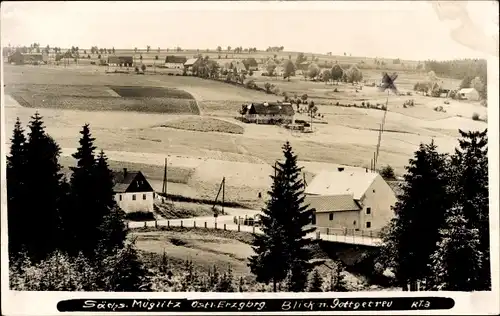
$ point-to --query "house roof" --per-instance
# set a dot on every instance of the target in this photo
(123, 180)
(176, 59)
(272, 108)
(352, 183)
(467, 90)
(332, 203)
(191, 61)
(446, 85)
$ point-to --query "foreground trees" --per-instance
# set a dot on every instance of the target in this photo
(282, 252)
(75, 224)
(440, 234)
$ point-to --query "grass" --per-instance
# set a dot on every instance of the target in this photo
(204, 124)
(140, 216)
(182, 210)
(150, 92)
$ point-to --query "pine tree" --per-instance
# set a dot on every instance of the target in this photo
(85, 218)
(337, 280)
(226, 282)
(16, 163)
(470, 191)
(112, 230)
(420, 213)
(282, 250)
(316, 283)
(43, 192)
(458, 260)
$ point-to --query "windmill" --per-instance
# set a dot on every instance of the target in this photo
(387, 84)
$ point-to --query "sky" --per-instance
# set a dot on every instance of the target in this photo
(391, 29)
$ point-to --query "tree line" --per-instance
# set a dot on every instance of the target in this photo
(439, 237)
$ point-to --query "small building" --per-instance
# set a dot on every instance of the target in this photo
(232, 65)
(19, 58)
(303, 65)
(446, 89)
(122, 61)
(133, 192)
(470, 94)
(350, 200)
(251, 64)
(175, 62)
(190, 63)
(268, 113)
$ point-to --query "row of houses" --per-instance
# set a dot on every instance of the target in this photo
(181, 62)
(19, 58)
(343, 199)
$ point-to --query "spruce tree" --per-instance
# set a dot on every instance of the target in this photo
(16, 194)
(316, 283)
(458, 260)
(282, 251)
(112, 230)
(420, 213)
(470, 191)
(85, 218)
(42, 191)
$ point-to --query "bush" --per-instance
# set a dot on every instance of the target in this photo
(335, 90)
(140, 216)
(363, 103)
(388, 173)
(475, 117)
(250, 84)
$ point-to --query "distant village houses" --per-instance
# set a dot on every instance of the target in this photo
(19, 58)
(133, 192)
(350, 201)
(124, 61)
(268, 113)
(175, 62)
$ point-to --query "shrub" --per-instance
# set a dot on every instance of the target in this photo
(475, 117)
(363, 103)
(335, 90)
(337, 104)
(250, 84)
(387, 173)
(140, 216)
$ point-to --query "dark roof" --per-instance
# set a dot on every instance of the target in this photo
(333, 203)
(123, 180)
(273, 108)
(175, 59)
(396, 187)
(120, 59)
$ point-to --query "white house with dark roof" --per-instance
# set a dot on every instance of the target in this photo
(133, 192)
(268, 113)
(352, 200)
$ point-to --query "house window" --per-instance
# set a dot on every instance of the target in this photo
(368, 224)
(373, 191)
(354, 223)
(144, 196)
(154, 195)
(368, 210)
(133, 197)
(331, 216)
(120, 197)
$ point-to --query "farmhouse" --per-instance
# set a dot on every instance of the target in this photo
(19, 58)
(132, 191)
(126, 61)
(251, 64)
(190, 63)
(237, 65)
(469, 94)
(268, 113)
(175, 62)
(446, 89)
(350, 200)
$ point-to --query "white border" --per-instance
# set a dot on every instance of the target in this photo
(44, 303)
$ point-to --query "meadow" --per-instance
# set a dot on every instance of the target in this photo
(134, 119)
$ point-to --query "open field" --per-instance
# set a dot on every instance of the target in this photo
(199, 158)
(205, 124)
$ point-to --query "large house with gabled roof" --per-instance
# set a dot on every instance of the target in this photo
(350, 200)
(133, 192)
(268, 113)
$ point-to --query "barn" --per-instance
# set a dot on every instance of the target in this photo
(19, 58)
(268, 113)
(133, 192)
(125, 61)
(175, 62)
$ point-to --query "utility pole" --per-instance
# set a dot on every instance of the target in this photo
(223, 192)
(164, 189)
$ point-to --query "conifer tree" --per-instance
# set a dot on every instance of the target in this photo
(457, 262)
(470, 192)
(282, 250)
(16, 164)
(42, 191)
(226, 282)
(85, 218)
(420, 213)
(316, 283)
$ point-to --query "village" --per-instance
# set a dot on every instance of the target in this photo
(191, 169)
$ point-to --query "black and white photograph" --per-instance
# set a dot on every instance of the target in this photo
(321, 149)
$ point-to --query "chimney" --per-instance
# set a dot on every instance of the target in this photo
(340, 169)
(124, 172)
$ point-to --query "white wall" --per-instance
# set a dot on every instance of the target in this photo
(266, 118)
(174, 65)
(128, 204)
(340, 220)
(380, 198)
